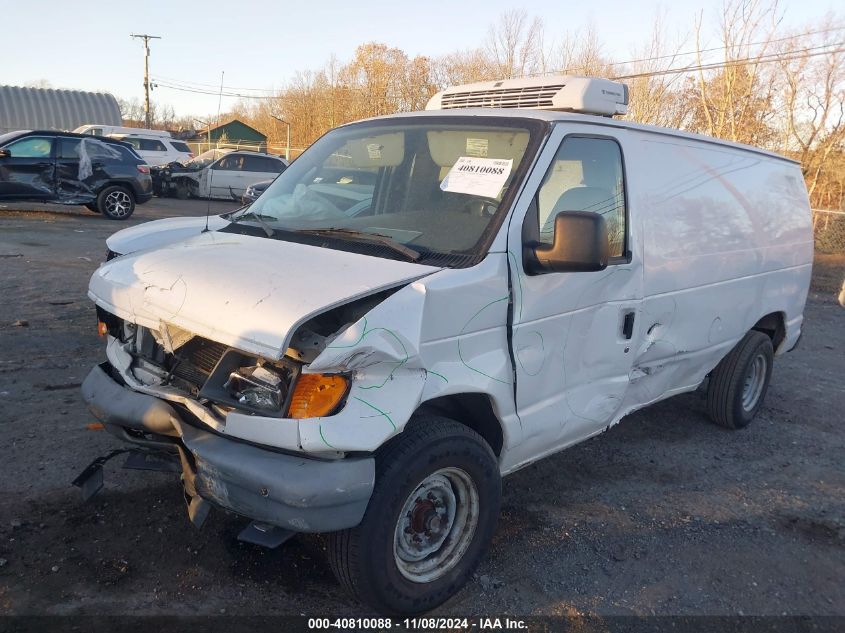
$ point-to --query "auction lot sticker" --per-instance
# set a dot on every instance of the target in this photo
(477, 176)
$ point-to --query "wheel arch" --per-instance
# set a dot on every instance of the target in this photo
(774, 326)
(125, 184)
(473, 410)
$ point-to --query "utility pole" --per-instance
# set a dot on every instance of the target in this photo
(147, 115)
(287, 148)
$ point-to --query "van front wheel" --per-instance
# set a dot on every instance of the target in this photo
(429, 522)
(739, 383)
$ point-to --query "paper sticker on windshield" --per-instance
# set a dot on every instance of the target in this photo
(374, 151)
(477, 176)
(477, 147)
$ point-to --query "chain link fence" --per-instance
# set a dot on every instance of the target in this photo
(829, 230)
(198, 147)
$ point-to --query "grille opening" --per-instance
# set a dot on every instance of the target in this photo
(196, 359)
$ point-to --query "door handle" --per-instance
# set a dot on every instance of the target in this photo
(628, 325)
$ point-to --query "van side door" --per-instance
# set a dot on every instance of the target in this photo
(574, 333)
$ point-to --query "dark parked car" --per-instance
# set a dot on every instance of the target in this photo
(254, 190)
(105, 175)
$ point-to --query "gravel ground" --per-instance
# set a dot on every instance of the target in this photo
(664, 514)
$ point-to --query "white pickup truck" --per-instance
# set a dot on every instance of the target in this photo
(423, 303)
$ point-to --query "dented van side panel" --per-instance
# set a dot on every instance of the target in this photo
(572, 359)
(445, 334)
(719, 238)
(727, 240)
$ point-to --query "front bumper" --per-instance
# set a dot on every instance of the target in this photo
(296, 493)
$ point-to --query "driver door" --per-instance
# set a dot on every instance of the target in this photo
(574, 333)
(29, 172)
(226, 177)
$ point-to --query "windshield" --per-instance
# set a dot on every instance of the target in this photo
(429, 184)
(206, 158)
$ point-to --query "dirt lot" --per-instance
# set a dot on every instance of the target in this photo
(663, 514)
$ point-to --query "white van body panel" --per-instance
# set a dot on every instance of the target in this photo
(444, 334)
(158, 233)
(718, 237)
(191, 285)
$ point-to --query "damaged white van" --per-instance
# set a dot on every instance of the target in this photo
(423, 303)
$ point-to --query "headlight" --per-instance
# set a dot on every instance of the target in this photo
(245, 382)
(257, 387)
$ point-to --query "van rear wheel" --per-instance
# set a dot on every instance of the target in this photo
(429, 522)
(739, 383)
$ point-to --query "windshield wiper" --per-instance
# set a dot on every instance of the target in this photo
(363, 236)
(269, 230)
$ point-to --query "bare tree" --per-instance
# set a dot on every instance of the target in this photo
(814, 107)
(578, 53)
(514, 44)
(732, 103)
(655, 97)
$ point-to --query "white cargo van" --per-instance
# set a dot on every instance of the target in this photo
(423, 303)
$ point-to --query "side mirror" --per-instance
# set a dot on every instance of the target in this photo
(580, 245)
(4, 153)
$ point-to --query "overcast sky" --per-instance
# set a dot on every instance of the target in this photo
(86, 45)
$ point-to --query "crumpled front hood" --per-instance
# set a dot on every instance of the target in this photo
(247, 292)
(159, 233)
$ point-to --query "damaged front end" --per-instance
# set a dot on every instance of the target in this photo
(259, 392)
(169, 393)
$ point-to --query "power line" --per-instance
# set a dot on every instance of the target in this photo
(161, 84)
(201, 85)
(704, 50)
(240, 92)
(763, 59)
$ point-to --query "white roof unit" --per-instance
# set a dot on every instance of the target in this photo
(564, 93)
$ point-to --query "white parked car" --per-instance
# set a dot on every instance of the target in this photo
(157, 150)
(220, 173)
(423, 303)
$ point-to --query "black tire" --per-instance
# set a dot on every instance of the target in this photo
(739, 383)
(116, 202)
(181, 191)
(431, 450)
(92, 206)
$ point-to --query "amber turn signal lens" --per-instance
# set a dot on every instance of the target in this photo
(102, 328)
(316, 395)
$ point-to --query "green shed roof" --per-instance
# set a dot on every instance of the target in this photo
(236, 130)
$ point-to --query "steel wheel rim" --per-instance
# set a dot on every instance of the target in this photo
(436, 525)
(754, 381)
(118, 203)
